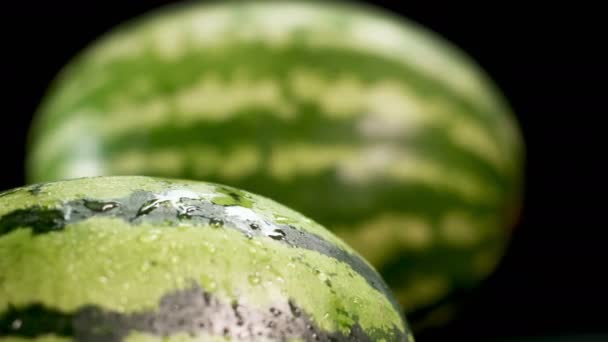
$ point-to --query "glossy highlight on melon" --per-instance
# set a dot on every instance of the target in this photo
(373, 126)
(131, 258)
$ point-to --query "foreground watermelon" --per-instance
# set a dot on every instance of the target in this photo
(138, 258)
(372, 126)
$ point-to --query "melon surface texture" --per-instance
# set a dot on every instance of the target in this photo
(132, 258)
(378, 129)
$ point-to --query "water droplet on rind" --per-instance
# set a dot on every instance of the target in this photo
(216, 223)
(275, 312)
(148, 207)
(175, 198)
(282, 219)
(295, 311)
(100, 206)
(277, 234)
(67, 214)
(254, 279)
(16, 324)
(186, 212)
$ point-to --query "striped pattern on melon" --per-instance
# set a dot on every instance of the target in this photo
(369, 124)
(136, 258)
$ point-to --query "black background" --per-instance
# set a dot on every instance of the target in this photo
(546, 60)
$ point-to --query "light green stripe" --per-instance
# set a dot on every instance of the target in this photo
(386, 236)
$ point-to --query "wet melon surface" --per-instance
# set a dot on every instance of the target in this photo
(143, 259)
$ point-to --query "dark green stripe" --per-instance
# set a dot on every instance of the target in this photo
(35, 320)
(260, 128)
(40, 220)
(191, 311)
(143, 206)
